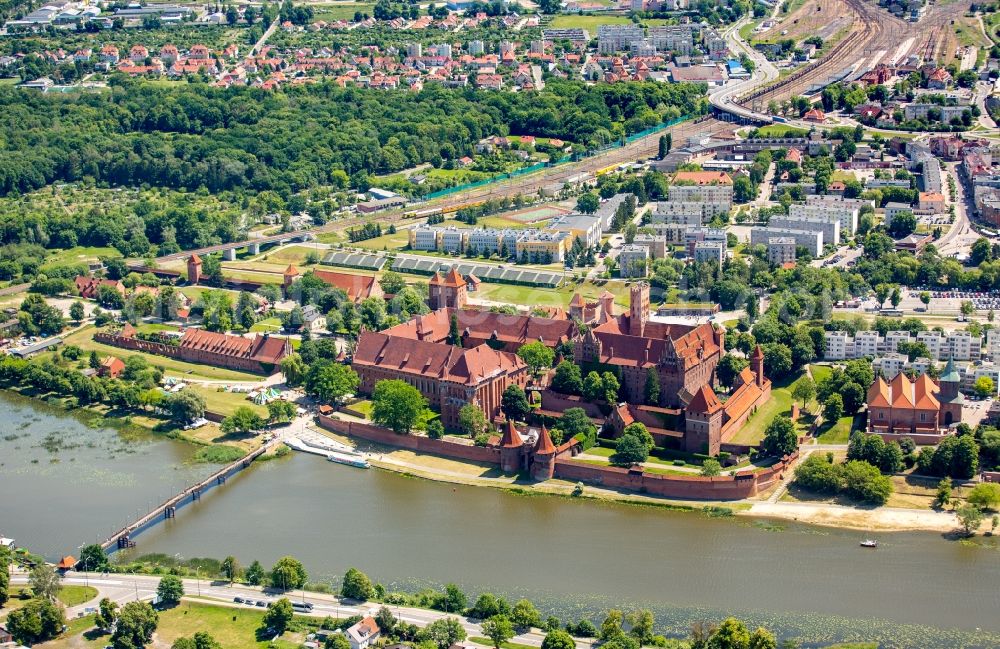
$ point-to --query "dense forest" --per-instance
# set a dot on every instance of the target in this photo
(199, 136)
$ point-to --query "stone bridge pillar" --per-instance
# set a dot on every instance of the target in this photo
(254, 248)
(229, 254)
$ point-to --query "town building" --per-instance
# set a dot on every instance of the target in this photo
(714, 251)
(780, 251)
(633, 260)
(811, 240)
(905, 407)
(363, 634)
(956, 345)
(720, 192)
(449, 290)
(846, 214)
(830, 227)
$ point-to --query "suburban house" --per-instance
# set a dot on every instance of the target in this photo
(111, 367)
(363, 634)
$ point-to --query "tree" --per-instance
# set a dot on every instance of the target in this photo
(170, 589)
(925, 297)
(666, 141)
(396, 405)
(943, 497)
(386, 620)
(611, 627)
(985, 495)
(293, 369)
(255, 573)
(610, 387)
(200, 640)
(593, 387)
(651, 391)
(984, 387)
(231, 568)
(356, 585)
(729, 367)
(588, 203)
(45, 582)
(557, 639)
(629, 450)
(288, 574)
(743, 190)
(641, 623)
(243, 421)
(833, 408)
(970, 518)
(76, 311)
(4, 582)
(185, 406)
(780, 438)
(536, 355)
(93, 558)
(514, 403)
(804, 390)
(711, 467)
(337, 641)
(331, 381)
(392, 282)
(471, 420)
(777, 360)
(524, 615)
(135, 626)
(903, 224)
(37, 621)
(444, 632)
(498, 629)
(107, 613)
(279, 411)
(278, 615)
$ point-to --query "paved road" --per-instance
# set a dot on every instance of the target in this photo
(961, 236)
(128, 588)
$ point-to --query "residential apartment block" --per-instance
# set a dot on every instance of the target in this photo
(720, 193)
(633, 260)
(780, 250)
(956, 345)
(846, 214)
(812, 240)
(535, 244)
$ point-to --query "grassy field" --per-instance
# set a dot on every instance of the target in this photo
(838, 433)
(233, 628)
(486, 642)
(84, 338)
(225, 402)
(340, 11)
(535, 296)
(590, 23)
(76, 595)
(267, 325)
(395, 241)
(79, 255)
(781, 130)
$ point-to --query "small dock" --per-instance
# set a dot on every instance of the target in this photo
(123, 538)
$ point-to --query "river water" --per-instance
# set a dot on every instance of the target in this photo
(572, 557)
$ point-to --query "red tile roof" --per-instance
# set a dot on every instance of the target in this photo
(544, 445)
(357, 287)
(511, 438)
(704, 402)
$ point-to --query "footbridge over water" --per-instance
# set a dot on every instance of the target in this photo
(124, 538)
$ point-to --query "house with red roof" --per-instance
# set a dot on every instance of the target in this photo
(814, 115)
(922, 406)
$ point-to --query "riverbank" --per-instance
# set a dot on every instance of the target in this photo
(439, 469)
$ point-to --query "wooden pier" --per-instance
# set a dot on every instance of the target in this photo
(168, 509)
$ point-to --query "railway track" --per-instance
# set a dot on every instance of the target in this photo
(509, 188)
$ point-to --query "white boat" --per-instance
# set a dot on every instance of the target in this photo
(869, 543)
(355, 461)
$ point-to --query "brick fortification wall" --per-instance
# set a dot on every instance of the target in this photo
(417, 443)
(743, 485)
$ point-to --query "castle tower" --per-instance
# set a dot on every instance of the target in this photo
(543, 464)
(638, 308)
(288, 277)
(511, 446)
(447, 291)
(194, 269)
(703, 423)
(576, 307)
(757, 365)
(607, 301)
(950, 398)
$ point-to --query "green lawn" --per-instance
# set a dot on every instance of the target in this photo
(84, 338)
(590, 23)
(76, 595)
(820, 372)
(233, 628)
(781, 130)
(486, 642)
(268, 325)
(340, 11)
(226, 402)
(839, 433)
(79, 255)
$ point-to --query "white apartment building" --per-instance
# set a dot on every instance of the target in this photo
(615, 38)
(705, 193)
(829, 227)
(633, 260)
(780, 250)
(993, 345)
(672, 38)
(710, 251)
(809, 239)
(706, 210)
(846, 214)
(957, 345)
(657, 244)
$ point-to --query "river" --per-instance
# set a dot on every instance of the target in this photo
(572, 557)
